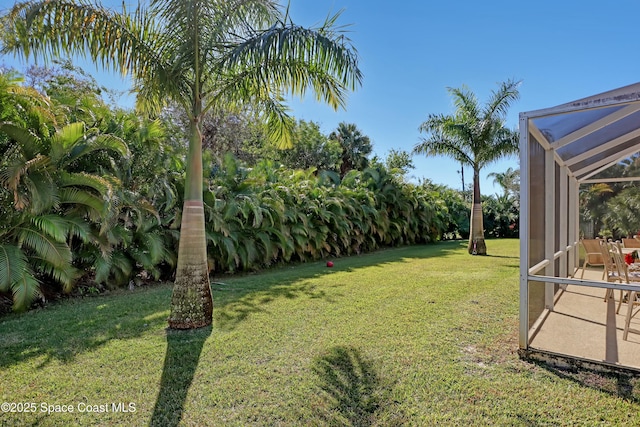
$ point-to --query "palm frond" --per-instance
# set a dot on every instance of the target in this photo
(25, 290)
(50, 29)
(102, 266)
(143, 205)
(74, 141)
(501, 100)
(115, 269)
(153, 243)
(299, 58)
(101, 185)
(52, 225)
(75, 196)
(65, 274)
(65, 139)
(42, 192)
(121, 266)
(45, 246)
(446, 137)
(13, 264)
(108, 142)
(465, 101)
(78, 227)
(121, 42)
(28, 141)
(13, 175)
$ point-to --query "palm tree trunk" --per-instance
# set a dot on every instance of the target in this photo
(191, 302)
(477, 245)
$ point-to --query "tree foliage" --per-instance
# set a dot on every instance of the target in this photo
(310, 149)
(355, 146)
(399, 160)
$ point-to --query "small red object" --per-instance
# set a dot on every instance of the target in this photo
(329, 264)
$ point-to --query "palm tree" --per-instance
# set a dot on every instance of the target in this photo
(355, 147)
(474, 135)
(509, 181)
(202, 55)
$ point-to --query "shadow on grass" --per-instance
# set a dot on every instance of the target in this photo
(242, 296)
(618, 384)
(503, 256)
(350, 391)
(230, 314)
(68, 328)
(180, 363)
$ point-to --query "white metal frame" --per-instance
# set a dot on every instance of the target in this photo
(568, 196)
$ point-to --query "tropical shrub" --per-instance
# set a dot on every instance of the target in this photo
(501, 215)
(457, 213)
(76, 204)
(54, 204)
(621, 216)
(265, 215)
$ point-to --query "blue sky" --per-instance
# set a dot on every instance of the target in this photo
(411, 51)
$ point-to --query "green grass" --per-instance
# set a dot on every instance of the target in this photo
(420, 335)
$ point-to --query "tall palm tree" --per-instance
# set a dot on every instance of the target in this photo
(355, 147)
(201, 55)
(474, 135)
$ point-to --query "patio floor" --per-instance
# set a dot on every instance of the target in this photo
(582, 325)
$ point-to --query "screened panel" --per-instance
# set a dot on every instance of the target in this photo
(608, 156)
(536, 226)
(560, 125)
(619, 129)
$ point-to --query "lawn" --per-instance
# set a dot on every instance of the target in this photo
(418, 335)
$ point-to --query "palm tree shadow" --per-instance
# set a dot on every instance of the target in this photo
(347, 383)
(350, 391)
(180, 363)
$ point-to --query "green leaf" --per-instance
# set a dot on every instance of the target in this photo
(25, 290)
(72, 195)
(13, 263)
(53, 226)
(46, 248)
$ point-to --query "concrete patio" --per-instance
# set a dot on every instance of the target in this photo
(584, 326)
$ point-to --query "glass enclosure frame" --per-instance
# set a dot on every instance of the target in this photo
(561, 148)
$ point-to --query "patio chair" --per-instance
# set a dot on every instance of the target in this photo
(629, 277)
(592, 255)
(631, 243)
(631, 303)
(611, 269)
